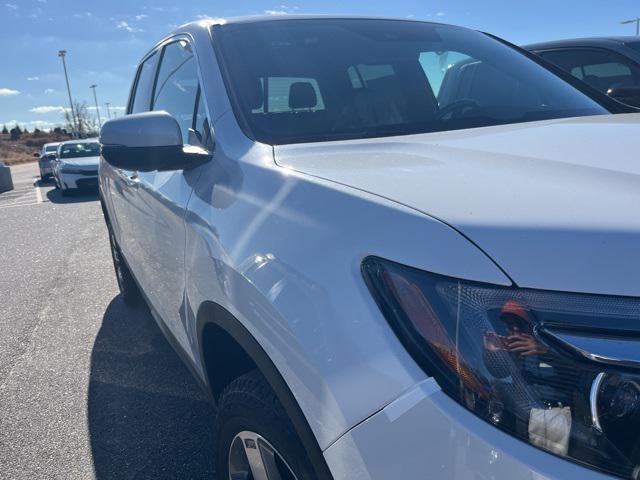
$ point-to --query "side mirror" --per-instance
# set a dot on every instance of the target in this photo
(37, 154)
(148, 141)
(628, 95)
(50, 156)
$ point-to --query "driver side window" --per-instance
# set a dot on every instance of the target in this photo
(177, 89)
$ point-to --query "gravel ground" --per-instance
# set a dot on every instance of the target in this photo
(89, 388)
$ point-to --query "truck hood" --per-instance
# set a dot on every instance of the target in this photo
(556, 204)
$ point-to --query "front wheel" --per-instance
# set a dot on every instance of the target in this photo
(255, 438)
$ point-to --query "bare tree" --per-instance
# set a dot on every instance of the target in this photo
(83, 124)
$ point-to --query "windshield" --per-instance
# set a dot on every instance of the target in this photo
(328, 79)
(50, 148)
(77, 150)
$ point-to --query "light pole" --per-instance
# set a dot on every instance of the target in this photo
(108, 111)
(95, 98)
(636, 21)
(62, 54)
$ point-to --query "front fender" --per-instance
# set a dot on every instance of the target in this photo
(281, 252)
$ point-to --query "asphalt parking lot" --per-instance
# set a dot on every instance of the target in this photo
(89, 388)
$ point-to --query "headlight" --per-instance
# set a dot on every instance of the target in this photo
(560, 371)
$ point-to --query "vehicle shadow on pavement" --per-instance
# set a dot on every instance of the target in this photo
(55, 196)
(45, 183)
(147, 416)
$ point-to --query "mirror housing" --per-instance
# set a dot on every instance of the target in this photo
(628, 95)
(148, 141)
(37, 154)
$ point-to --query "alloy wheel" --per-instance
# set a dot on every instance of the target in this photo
(252, 457)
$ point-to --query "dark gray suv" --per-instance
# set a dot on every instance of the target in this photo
(611, 65)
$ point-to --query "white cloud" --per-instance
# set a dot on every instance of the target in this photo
(40, 123)
(12, 6)
(440, 14)
(48, 109)
(31, 124)
(49, 90)
(111, 108)
(210, 19)
(7, 92)
(125, 26)
(142, 16)
(33, 79)
(282, 9)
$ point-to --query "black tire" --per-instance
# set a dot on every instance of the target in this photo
(249, 404)
(127, 285)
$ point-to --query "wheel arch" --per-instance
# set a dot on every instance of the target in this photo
(223, 339)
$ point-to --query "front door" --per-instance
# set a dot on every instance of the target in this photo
(123, 185)
(157, 214)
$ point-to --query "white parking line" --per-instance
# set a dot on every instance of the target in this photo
(24, 194)
(13, 205)
(38, 192)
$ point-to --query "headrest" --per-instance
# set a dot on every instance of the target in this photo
(302, 95)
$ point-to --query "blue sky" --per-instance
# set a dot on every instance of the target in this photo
(106, 39)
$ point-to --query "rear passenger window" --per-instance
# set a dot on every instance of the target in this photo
(177, 85)
(144, 85)
(602, 69)
(286, 94)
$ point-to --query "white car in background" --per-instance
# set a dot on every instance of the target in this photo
(46, 159)
(76, 166)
